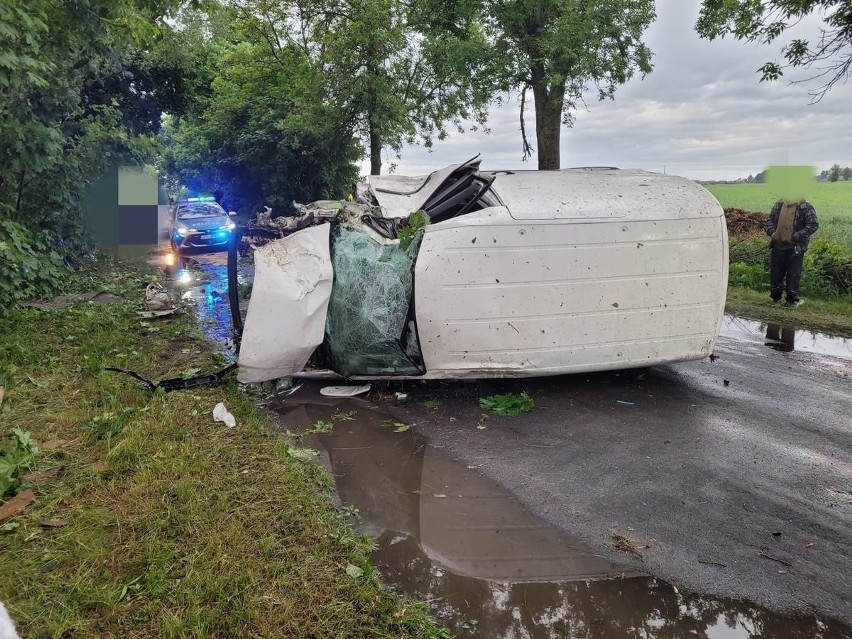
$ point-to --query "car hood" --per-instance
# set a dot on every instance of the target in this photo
(204, 223)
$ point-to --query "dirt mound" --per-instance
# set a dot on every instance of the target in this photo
(745, 224)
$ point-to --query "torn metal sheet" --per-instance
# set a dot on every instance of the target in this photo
(287, 311)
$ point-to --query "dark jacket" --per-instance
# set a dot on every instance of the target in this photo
(805, 224)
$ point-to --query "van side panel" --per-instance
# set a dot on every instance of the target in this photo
(495, 296)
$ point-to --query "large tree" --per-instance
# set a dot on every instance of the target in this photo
(392, 81)
(829, 56)
(263, 132)
(559, 49)
(77, 94)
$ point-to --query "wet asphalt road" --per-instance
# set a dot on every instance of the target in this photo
(741, 490)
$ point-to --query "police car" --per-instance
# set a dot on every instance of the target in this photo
(200, 223)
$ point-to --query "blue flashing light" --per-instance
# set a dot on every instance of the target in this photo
(203, 198)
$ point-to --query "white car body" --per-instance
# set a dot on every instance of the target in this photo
(561, 272)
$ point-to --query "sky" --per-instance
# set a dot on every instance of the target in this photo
(702, 113)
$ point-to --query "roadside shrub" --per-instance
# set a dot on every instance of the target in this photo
(826, 273)
(748, 275)
(829, 263)
(30, 263)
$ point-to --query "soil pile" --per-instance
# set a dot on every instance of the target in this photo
(745, 224)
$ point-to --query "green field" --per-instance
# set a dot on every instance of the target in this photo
(832, 201)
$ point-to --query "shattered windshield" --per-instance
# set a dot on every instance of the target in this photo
(202, 209)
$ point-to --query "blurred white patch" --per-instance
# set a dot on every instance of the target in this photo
(7, 628)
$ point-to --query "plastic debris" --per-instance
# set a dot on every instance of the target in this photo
(221, 414)
(345, 391)
(623, 403)
(155, 314)
(157, 298)
(7, 626)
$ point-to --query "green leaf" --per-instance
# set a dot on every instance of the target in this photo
(354, 571)
(302, 453)
(508, 405)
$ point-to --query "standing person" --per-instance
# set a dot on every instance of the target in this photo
(790, 226)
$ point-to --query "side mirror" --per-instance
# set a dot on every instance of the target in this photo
(232, 213)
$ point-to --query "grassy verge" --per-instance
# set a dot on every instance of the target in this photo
(164, 523)
(828, 316)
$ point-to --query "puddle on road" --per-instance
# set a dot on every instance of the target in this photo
(485, 565)
(488, 567)
(786, 338)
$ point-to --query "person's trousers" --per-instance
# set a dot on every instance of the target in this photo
(785, 274)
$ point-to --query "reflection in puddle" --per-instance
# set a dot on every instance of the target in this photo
(487, 566)
(781, 338)
(787, 338)
(202, 278)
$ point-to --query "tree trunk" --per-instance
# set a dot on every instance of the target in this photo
(548, 121)
(375, 150)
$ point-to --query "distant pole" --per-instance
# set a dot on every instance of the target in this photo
(664, 169)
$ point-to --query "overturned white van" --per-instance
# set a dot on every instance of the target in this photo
(517, 273)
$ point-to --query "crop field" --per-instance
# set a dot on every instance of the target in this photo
(832, 201)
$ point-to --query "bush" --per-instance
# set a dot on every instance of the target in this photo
(830, 264)
(30, 264)
(748, 275)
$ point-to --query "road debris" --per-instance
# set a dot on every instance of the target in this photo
(711, 562)
(157, 298)
(345, 391)
(509, 404)
(155, 314)
(780, 561)
(624, 403)
(221, 414)
(624, 544)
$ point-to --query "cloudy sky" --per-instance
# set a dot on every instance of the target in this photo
(702, 113)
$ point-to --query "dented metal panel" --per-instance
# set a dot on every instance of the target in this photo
(289, 302)
(510, 297)
(593, 194)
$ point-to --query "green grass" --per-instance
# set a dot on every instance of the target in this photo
(832, 201)
(176, 526)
